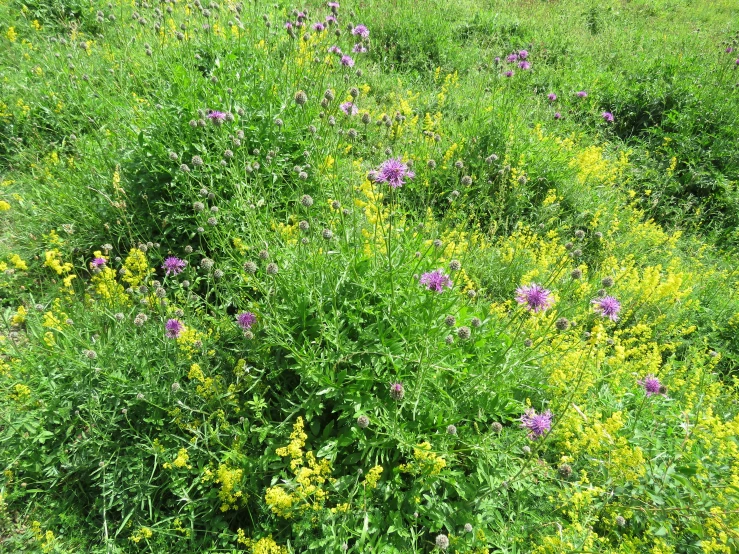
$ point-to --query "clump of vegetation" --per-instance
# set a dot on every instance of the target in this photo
(327, 279)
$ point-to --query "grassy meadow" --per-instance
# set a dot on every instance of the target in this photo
(451, 276)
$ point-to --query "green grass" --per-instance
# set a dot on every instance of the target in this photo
(290, 436)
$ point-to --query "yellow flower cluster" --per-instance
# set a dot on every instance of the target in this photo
(106, 287)
(425, 462)
(136, 268)
(230, 481)
(264, 545)
(180, 461)
(53, 259)
(143, 533)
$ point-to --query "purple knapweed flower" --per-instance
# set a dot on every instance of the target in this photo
(246, 320)
(729, 49)
(217, 117)
(288, 25)
(535, 297)
(608, 117)
(333, 5)
(552, 97)
(523, 54)
(334, 49)
(557, 115)
(651, 385)
(608, 306)
(392, 172)
(347, 61)
(508, 73)
(173, 328)
(524, 65)
(301, 16)
(173, 265)
(537, 424)
(582, 94)
(737, 61)
(97, 263)
(436, 280)
(397, 392)
(319, 27)
(349, 108)
(330, 20)
(497, 59)
(361, 31)
(512, 58)
(359, 48)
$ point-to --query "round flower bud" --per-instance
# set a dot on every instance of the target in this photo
(449, 339)
(442, 542)
(468, 528)
(496, 427)
(579, 234)
(451, 430)
(306, 201)
(526, 450)
(206, 263)
(197, 161)
(431, 164)
(304, 225)
(565, 470)
(301, 98)
(437, 243)
(576, 273)
(476, 322)
(250, 267)
(607, 282)
(218, 274)
(272, 269)
(528, 343)
(397, 392)
(620, 521)
(450, 320)
(467, 180)
(263, 255)
(464, 333)
(471, 294)
(327, 234)
(455, 265)
(363, 422)
(562, 324)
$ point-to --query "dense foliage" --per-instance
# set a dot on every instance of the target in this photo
(404, 277)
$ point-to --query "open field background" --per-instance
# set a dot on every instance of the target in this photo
(388, 276)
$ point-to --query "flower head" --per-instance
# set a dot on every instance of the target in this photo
(523, 54)
(608, 306)
(436, 280)
(442, 542)
(512, 58)
(508, 73)
(319, 27)
(246, 320)
(334, 49)
(97, 263)
(582, 94)
(173, 328)
(361, 31)
(392, 172)
(608, 116)
(217, 117)
(557, 115)
(552, 97)
(359, 48)
(347, 61)
(535, 297)
(537, 424)
(349, 108)
(524, 65)
(652, 385)
(173, 265)
(397, 392)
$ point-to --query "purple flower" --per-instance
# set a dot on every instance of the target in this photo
(524, 65)
(97, 263)
(729, 49)
(361, 31)
(397, 392)
(246, 320)
(349, 108)
(608, 116)
(508, 73)
(173, 265)
(537, 424)
(359, 48)
(347, 61)
(737, 61)
(523, 54)
(333, 5)
(436, 280)
(552, 97)
(288, 26)
(330, 20)
(652, 385)
(535, 297)
(497, 59)
(557, 115)
(608, 306)
(512, 58)
(392, 172)
(217, 117)
(173, 328)
(319, 27)
(334, 49)
(582, 94)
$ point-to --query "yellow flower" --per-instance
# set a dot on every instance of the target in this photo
(4, 206)
(11, 34)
